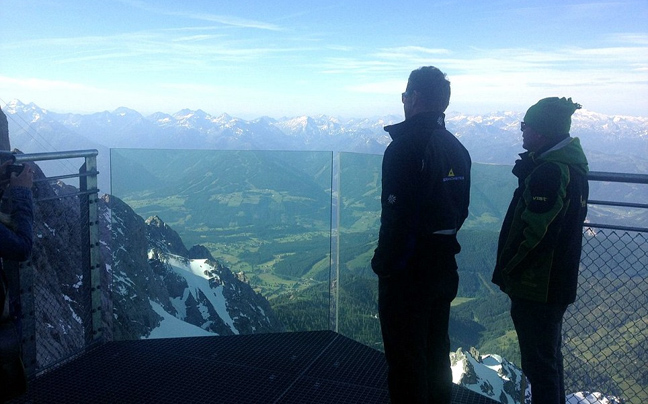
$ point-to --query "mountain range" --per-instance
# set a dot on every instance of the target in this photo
(611, 143)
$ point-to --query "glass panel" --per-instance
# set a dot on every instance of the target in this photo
(360, 187)
(360, 177)
(262, 219)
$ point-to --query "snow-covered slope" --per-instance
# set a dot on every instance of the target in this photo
(500, 380)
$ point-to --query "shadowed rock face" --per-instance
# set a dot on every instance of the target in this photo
(4, 132)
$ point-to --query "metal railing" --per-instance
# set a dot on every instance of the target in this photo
(618, 178)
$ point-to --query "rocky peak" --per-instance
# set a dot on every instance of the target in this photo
(490, 375)
(164, 237)
(200, 252)
(156, 278)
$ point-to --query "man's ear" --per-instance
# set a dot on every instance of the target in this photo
(415, 97)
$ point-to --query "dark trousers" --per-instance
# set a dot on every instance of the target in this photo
(414, 315)
(539, 330)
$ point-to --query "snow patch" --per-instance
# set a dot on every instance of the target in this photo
(171, 327)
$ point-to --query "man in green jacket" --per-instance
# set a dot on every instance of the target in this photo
(540, 242)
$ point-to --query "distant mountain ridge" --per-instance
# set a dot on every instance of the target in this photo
(612, 143)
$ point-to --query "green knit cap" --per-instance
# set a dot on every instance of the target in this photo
(551, 116)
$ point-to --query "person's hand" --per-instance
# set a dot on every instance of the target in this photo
(24, 179)
(3, 169)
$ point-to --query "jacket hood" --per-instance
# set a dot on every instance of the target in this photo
(568, 151)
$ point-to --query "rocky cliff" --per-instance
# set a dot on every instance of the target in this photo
(4, 132)
(148, 278)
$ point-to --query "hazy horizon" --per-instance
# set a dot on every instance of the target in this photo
(397, 116)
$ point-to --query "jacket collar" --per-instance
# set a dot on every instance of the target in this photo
(567, 151)
(432, 120)
(557, 146)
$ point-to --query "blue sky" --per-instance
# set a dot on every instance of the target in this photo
(344, 58)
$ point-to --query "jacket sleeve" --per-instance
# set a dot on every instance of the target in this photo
(396, 238)
(16, 243)
(541, 204)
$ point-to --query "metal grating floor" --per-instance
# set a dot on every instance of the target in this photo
(298, 367)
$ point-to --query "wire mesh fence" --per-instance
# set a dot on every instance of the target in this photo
(606, 329)
(58, 295)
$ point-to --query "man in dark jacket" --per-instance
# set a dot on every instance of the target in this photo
(425, 195)
(540, 241)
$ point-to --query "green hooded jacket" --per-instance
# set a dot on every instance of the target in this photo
(540, 242)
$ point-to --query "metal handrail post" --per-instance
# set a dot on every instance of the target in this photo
(92, 255)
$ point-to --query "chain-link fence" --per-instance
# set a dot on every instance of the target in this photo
(606, 330)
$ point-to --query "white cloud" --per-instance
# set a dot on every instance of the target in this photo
(220, 19)
(230, 20)
(639, 38)
(10, 83)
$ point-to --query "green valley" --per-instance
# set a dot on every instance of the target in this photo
(278, 216)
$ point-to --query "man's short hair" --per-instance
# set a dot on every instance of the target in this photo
(433, 87)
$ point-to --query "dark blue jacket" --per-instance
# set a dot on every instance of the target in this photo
(15, 242)
(425, 192)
